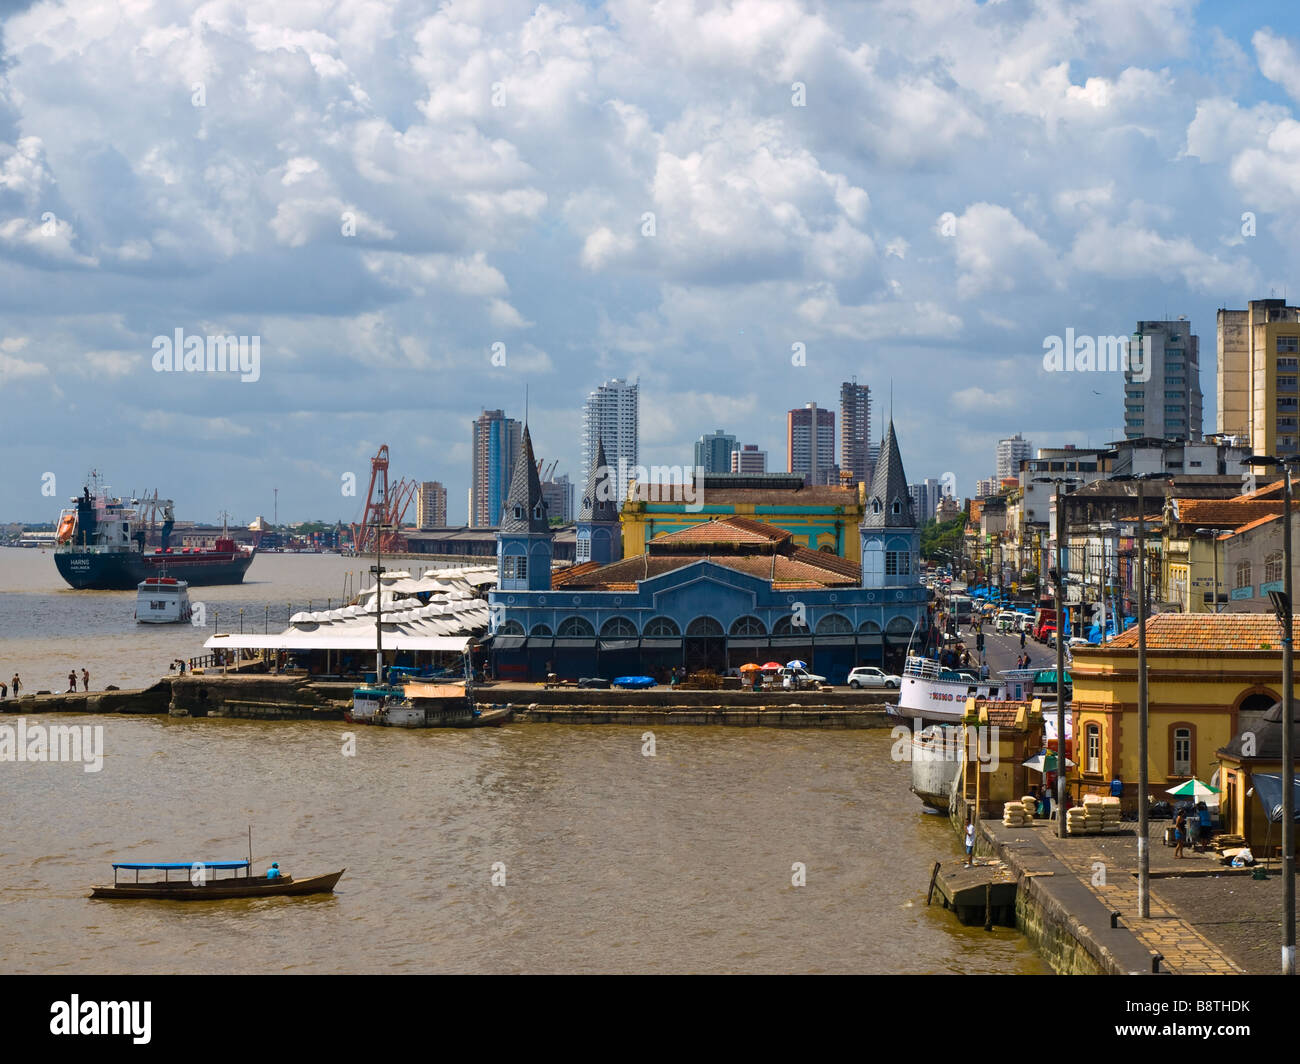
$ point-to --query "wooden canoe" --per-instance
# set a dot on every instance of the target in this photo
(218, 889)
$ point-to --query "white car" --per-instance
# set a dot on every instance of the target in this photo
(799, 678)
(870, 676)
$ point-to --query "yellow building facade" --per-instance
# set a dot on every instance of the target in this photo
(1204, 672)
(820, 518)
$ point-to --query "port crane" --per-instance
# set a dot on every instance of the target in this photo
(385, 509)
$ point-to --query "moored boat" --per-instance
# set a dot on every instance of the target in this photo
(194, 883)
(938, 695)
(162, 600)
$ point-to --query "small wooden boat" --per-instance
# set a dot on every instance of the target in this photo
(195, 885)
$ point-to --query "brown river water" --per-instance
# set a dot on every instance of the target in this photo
(613, 861)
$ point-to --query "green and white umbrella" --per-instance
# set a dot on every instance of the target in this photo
(1194, 789)
(1045, 763)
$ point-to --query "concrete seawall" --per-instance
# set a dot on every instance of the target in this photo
(147, 700)
(262, 696)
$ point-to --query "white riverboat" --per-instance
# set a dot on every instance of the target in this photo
(162, 600)
(937, 695)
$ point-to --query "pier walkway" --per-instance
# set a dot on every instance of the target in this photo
(1092, 876)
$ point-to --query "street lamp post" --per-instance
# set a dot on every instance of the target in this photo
(1144, 739)
(1061, 761)
(1214, 534)
(1282, 607)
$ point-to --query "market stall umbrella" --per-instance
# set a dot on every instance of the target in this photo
(1194, 789)
(751, 667)
(796, 664)
(772, 666)
(1045, 763)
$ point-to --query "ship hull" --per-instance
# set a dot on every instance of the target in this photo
(124, 570)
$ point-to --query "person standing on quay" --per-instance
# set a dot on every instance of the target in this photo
(970, 843)
(85, 680)
(72, 681)
(16, 684)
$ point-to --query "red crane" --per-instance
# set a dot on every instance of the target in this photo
(384, 507)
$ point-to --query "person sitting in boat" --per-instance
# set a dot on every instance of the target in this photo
(274, 871)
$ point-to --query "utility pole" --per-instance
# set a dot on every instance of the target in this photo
(1282, 607)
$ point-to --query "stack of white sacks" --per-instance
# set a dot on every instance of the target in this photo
(1015, 815)
(1097, 814)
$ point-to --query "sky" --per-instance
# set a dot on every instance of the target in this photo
(419, 212)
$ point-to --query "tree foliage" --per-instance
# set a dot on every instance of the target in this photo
(947, 536)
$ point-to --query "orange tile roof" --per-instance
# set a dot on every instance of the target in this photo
(1267, 491)
(1204, 633)
(1225, 512)
(726, 530)
(1252, 525)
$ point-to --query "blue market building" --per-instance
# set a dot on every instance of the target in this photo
(714, 595)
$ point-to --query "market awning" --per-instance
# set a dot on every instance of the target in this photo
(618, 644)
(324, 639)
(508, 642)
(1268, 789)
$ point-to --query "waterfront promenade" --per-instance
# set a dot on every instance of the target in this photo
(1206, 919)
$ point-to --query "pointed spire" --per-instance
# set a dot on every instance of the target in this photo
(525, 510)
(600, 496)
(889, 503)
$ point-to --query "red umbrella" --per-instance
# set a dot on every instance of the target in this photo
(773, 666)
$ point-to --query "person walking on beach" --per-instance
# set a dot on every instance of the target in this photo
(85, 680)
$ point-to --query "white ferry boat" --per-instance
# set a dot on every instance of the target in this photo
(937, 695)
(162, 600)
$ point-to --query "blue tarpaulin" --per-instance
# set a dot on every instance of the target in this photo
(180, 864)
(1268, 789)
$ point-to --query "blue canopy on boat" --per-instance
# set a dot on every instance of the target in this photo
(179, 864)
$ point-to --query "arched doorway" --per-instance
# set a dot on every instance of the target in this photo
(706, 646)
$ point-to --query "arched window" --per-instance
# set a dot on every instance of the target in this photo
(510, 628)
(542, 630)
(827, 548)
(875, 506)
(869, 628)
(662, 628)
(784, 625)
(1273, 567)
(899, 626)
(704, 626)
(575, 628)
(748, 625)
(1094, 747)
(1182, 739)
(834, 624)
(618, 628)
(898, 507)
(1243, 574)
(582, 549)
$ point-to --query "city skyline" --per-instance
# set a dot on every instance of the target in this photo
(729, 241)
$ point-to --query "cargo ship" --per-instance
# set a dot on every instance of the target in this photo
(101, 545)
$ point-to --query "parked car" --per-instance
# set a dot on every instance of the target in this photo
(799, 678)
(870, 676)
